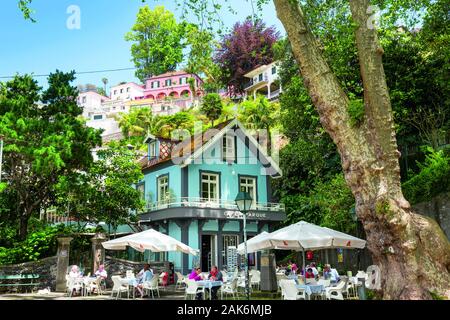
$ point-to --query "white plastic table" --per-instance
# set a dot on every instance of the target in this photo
(209, 284)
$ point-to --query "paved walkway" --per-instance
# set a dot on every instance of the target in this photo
(169, 294)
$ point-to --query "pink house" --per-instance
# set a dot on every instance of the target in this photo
(171, 85)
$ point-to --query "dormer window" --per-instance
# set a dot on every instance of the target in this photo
(152, 150)
(228, 148)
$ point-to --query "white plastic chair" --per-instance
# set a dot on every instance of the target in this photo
(180, 280)
(130, 274)
(152, 286)
(229, 288)
(324, 283)
(73, 284)
(291, 292)
(241, 282)
(335, 292)
(255, 278)
(192, 288)
(119, 287)
(351, 290)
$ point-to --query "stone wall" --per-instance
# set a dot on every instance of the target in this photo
(45, 268)
(119, 267)
(438, 209)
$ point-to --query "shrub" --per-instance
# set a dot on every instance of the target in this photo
(39, 244)
(433, 178)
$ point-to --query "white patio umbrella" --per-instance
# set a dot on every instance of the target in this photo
(307, 236)
(259, 242)
(303, 236)
(149, 240)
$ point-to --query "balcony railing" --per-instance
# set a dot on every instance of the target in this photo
(251, 83)
(189, 202)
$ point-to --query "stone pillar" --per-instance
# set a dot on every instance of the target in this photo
(63, 263)
(98, 252)
(268, 272)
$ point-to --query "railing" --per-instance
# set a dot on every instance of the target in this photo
(212, 204)
(52, 216)
(252, 82)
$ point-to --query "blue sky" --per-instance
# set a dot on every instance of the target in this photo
(47, 45)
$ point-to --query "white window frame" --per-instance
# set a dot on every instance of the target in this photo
(163, 189)
(246, 186)
(206, 177)
(152, 150)
(228, 148)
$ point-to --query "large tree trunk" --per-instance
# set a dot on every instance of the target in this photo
(411, 250)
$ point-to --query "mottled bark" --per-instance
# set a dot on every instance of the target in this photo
(411, 250)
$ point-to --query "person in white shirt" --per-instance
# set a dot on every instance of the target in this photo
(331, 274)
(101, 272)
(74, 272)
(314, 270)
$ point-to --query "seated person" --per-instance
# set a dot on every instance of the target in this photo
(146, 276)
(75, 272)
(331, 274)
(73, 275)
(309, 274)
(215, 275)
(101, 272)
(293, 266)
(196, 274)
(314, 269)
(288, 270)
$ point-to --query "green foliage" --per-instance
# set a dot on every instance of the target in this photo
(328, 204)
(202, 45)
(258, 113)
(212, 107)
(433, 178)
(104, 192)
(44, 138)
(356, 111)
(157, 42)
(24, 6)
(39, 244)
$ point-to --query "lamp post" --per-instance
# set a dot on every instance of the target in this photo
(244, 202)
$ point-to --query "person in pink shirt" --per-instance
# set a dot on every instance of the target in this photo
(293, 266)
(195, 274)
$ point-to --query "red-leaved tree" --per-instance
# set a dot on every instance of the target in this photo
(247, 46)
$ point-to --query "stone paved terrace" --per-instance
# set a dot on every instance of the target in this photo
(166, 294)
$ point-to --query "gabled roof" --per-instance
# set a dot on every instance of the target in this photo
(193, 147)
(212, 138)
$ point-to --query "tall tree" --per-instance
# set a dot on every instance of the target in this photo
(411, 250)
(44, 140)
(212, 107)
(202, 45)
(106, 190)
(248, 45)
(157, 42)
